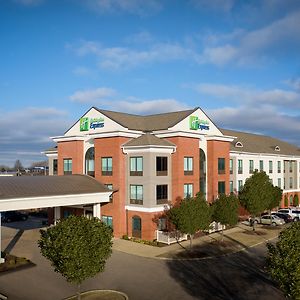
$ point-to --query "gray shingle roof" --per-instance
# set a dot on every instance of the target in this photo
(255, 143)
(43, 186)
(149, 139)
(147, 123)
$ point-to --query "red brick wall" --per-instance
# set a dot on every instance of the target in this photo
(215, 150)
(111, 147)
(288, 197)
(73, 150)
(185, 147)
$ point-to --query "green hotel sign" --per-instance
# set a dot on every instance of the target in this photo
(196, 123)
(90, 123)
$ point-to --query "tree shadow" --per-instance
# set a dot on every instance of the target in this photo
(236, 276)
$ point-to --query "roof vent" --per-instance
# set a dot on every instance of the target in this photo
(277, 148)
(239, 145)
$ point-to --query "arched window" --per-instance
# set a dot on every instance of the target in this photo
(277, 148)
(238, 145)
(90, 162)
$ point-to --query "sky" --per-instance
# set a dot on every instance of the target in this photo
(237, 60)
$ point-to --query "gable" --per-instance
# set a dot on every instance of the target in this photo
(92, 122)
(197, 122)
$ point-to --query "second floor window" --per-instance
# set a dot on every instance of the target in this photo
(106, 166)
(221, 165)
(161, 165)
(136, 194)
(67, 166)
(279, 166)
(188, 165)
(231, 186)
(240, 166)
(231, 166)
(240, 185)
(291, 182)
(270, 166)
(162, 194)
(251, 166)
(279, 182)
(136, 166)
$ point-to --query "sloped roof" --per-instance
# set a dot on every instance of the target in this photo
(149, 122)
(256, 143)
(43, 186)
(149, 139)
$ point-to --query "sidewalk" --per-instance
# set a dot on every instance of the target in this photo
(235, 239)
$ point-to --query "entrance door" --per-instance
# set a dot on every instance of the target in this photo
(136, 227)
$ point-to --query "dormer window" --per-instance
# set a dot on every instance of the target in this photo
(277, 148)
(239, 145)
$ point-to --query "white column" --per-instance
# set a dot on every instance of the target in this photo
(56, 214)
(1, 259)
(97, 210)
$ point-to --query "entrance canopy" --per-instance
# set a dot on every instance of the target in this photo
(29, 192)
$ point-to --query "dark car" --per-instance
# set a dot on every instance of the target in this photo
(286, 217)
(12, 216)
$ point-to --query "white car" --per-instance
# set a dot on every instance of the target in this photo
(271, 220)
(294, 213)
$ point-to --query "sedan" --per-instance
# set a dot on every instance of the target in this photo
(286, 217)
(271, 220)
(11, 216)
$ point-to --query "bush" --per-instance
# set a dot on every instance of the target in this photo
(283, 261)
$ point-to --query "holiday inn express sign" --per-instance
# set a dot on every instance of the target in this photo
(196, 123)
(91, 123)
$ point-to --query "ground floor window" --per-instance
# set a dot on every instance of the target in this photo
(108, 220)
(221, 187)
(188, 190)
(162, 224)
(67, 166)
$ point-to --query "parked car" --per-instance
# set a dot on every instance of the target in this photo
(294, 213)
(12, 216)
(286, 217)
(271, 220)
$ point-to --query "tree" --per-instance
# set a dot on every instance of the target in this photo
(283, 261)
(77, 247)
(18, 166)
(225, 210)
(191, 215)
(257, 194)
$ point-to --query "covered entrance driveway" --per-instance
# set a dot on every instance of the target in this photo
(30, 192)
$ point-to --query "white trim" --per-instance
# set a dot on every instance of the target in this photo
(168, 133)
(68, 138)
(53, 201)
(130, 134)
(290, 191)
(238, 153)
(225, 138)
(51, 154)
(146, 209)
(150, 148)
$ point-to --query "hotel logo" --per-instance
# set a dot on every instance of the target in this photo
(196, 123)
(84, 124)
(92, 123)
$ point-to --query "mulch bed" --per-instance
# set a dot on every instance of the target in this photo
(13, 263)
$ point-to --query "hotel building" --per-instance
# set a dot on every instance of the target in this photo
(152, 161)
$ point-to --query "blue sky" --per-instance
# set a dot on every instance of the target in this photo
(238, 60)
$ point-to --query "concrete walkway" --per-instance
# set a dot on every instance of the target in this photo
(235, 239)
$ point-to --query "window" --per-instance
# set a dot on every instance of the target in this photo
(283, 183)
(291, 166)
(221, 187)
(188, 166)
(188, 190)
(90, 162)
(162, 224)
(270, 166)
(110, 187)
(136, 194)
(240, 166)
(251, 166)
(291, 182)
(231, 166)
(261, 165)
(221, 165)
(161, 194)
(238, 145)
(231, 186)
(136, 166)
(161, 166)
(68, 166)
(279, 182)
(279, 166)
(106, 166)
(108, 220)
(240, 185)
(54, 166)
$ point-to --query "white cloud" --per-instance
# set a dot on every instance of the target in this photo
(135, 7)
(91, 96)
(217, 5)
(245, 94)
(24, 134)
(293, 83)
